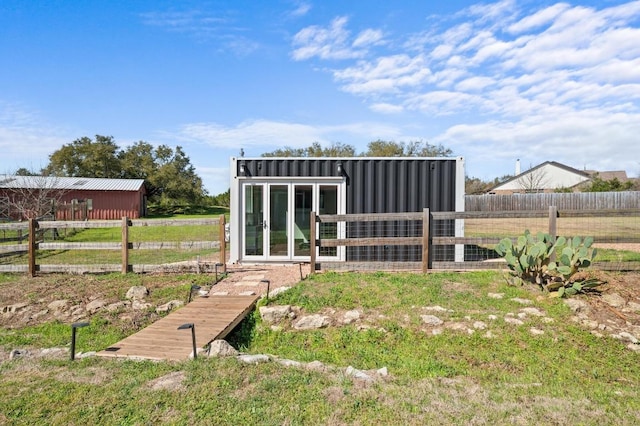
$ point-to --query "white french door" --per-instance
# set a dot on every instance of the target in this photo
(276, 218)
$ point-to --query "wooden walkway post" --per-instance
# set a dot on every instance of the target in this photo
(222, 236)
(33, 246)
(125, 244)
(312, 243)
(425, 239)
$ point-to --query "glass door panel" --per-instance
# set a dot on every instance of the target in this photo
(278, 218)
(303, 202)
(253, 220)
(328, 204)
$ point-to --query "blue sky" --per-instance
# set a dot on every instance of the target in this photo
(494, 82)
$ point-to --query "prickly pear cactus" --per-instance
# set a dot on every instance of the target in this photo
(529, 259)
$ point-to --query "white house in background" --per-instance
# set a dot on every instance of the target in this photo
(546, 177)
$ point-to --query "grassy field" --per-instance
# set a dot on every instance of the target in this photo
(565, 375)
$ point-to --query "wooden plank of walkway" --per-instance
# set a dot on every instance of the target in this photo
(213, 316)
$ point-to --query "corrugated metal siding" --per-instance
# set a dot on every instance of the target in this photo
(110, 205)
(374, 185)
(71, 183)
(378, 185)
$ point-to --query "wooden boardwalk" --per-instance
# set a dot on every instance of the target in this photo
(213, 316)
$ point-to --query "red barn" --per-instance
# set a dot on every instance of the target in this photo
(71, 197)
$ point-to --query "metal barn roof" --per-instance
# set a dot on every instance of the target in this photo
(70, 183)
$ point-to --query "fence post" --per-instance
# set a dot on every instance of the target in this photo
(426, 224)
(222, 236)
(125, 244)
(553, 227)
(33, 225)
(312, 243)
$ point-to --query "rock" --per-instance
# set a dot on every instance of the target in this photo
(382, 372)
(19, 353)
(137, 292)
(479, 325)
(590, 324)
(16, 307)
(358, 374)
(221, 348)
(488, 335)
(457, 326)
(311, 322)
(86, 354)
(54, 352)
(577, 305)
(95, 305)
(437, 308)
(171, 381)
(58, 305)
(492, 317)
(627, 337)
(532, 311)
(495, 295)
(522, 301)
(275, 314)
(514, 321)
(117, 306)
(436, 332)
(253, 359)
(277, 291)
(169, 306)
(38, 315)
(614, 300)
(633, 307)
(536, 331)
(634, 347)
(350, 317)
(139, 305)
(317, 366)
(431, 320)
(288, 363)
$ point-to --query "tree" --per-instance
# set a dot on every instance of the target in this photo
(476, 186)
(380, 148)
(533, 181)
(86, 158)
(597, 184)
(336, 149)
(169, 176)
(24, 172)
(35, 197)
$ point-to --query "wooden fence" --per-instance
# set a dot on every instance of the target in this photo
(34, 229)
(622, 200)
(488, 228)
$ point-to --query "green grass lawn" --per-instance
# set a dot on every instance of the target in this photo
(564, 376)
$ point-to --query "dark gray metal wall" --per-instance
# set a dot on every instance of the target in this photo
(374, 185)
(378, 185)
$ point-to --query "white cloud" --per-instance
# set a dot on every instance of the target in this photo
(204, 26)
(26, 139)
(538, 19)
(302, 8)
(333, 42)
(262, 135)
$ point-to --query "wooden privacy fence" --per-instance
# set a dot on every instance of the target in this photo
(35, 229)
(462, 240)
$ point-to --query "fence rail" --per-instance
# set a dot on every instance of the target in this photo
(34, 229)
(466, 240)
